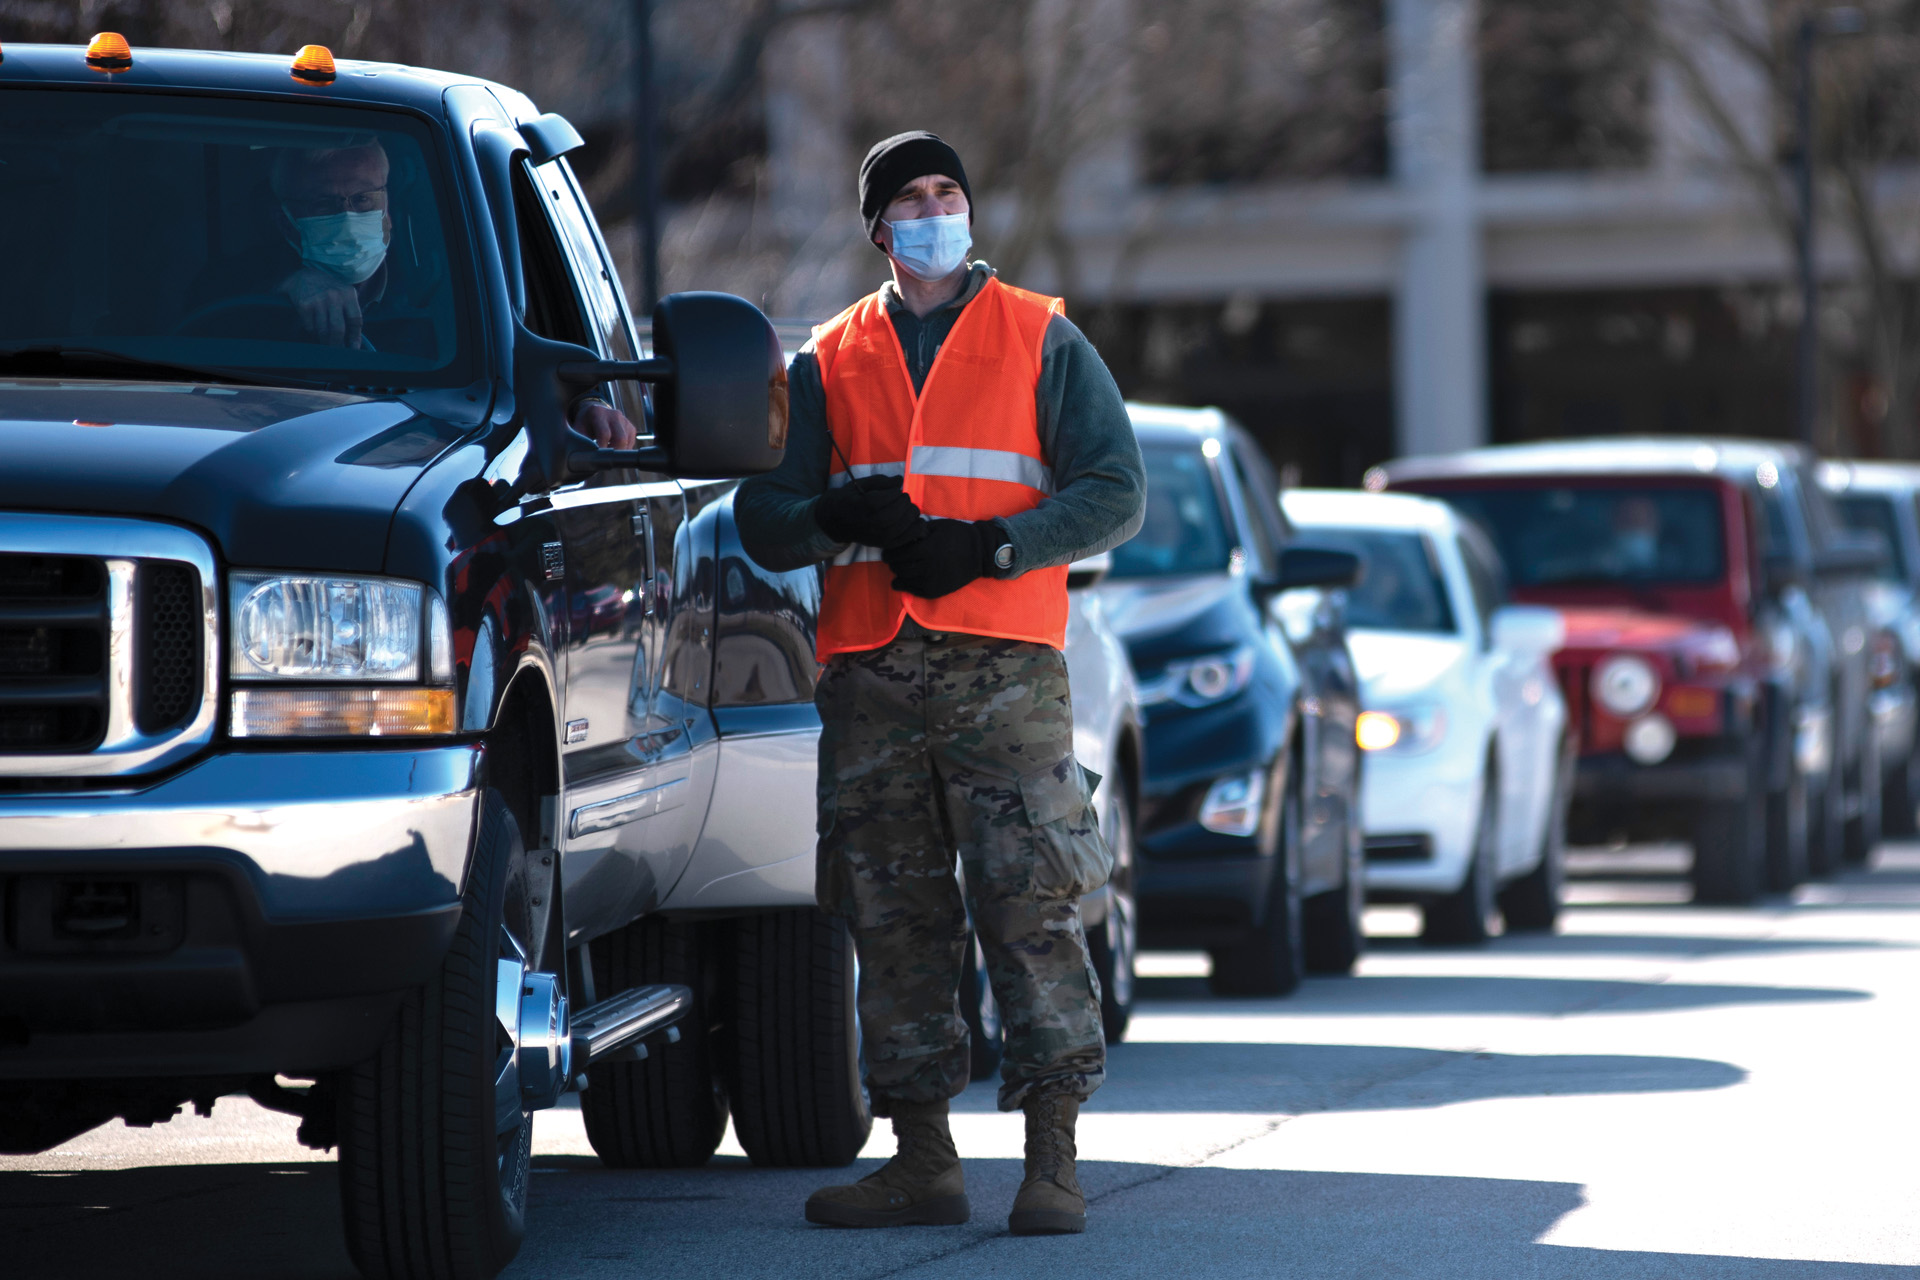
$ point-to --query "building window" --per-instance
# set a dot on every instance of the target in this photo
(1564, 84)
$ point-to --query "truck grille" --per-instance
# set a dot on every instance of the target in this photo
(106, 640)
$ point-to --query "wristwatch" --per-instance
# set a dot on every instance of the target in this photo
(1003, 554)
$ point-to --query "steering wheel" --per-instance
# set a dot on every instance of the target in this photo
(268, 317)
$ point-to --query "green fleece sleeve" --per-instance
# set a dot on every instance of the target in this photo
(1100, 483)
(774, 512)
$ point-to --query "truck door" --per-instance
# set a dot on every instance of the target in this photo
(628, 777)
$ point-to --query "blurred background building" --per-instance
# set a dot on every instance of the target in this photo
(1366, 227)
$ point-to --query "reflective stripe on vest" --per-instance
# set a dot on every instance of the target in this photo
(968, 448)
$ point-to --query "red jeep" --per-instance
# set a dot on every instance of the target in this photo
(1689, 668)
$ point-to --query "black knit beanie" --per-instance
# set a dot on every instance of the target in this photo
(896, 161)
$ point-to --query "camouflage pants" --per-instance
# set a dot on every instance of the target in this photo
(941, 743)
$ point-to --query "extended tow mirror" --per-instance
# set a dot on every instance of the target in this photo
(719, 398)
(1318, 567)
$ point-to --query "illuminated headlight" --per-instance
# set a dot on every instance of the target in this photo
(1199, 682)
(1232, 806)
(1625, 685)
(1406, 731)
(371, 644)
(1650, 739)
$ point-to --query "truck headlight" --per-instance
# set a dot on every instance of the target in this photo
(1626, 685)
(380, 651)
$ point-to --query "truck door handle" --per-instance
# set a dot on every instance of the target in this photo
(643, 530)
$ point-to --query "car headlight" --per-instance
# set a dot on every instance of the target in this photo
(383, 648)
(1626, 685)
(1403, 731)
(1201, 681)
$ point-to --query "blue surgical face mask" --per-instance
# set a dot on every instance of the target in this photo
(932, 248)
(349, 245)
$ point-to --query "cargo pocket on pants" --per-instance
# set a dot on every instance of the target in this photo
(832, 882)
(1071, 858)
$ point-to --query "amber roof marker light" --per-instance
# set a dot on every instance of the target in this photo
(108, 51)
(313, 65)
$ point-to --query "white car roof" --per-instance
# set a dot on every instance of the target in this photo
(1356, 508)
(1208, 421)
(1839, 476)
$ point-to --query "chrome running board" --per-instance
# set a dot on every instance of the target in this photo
(600, 1030)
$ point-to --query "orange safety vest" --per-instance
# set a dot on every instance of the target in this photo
(969, 448)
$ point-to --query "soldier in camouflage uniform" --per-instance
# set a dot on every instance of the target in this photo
(937, 744)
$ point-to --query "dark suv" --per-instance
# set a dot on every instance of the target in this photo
(1717, 656)
(360, 721)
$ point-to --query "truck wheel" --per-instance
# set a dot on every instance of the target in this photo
(981, 1013)
(1270, 961)
(798, 1098)
(1729, 846)
(1787, 821)
(434, 1136)
(1113, 945)
(1336, 934)
(668, 1110)
(1531, 904)
(1465, 916)
(1899, 796)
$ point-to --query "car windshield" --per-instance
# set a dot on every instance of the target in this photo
(1873, 513)
(1401, 590)
(1598, 535)
(178, 231)
(1184, 530)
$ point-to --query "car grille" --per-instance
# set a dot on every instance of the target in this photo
(106, 636)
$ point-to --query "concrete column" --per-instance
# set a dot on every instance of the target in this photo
(1439, 323)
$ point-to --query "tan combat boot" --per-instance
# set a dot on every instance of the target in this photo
(920, 1187)
(1049, 1202)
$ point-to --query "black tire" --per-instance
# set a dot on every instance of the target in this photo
(1270, 960)
(669, 1110)
(1899, 796)
(1115, 942)
(1464, 918)
(430, 1184)
(1788, 822)
(1730, 845)
(1335, 920)
(1861, 835)
(798, 1097)
(986, 1032)
(1826, 827)
(1531, 904)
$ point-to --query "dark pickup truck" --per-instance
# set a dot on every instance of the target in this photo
(371, 741)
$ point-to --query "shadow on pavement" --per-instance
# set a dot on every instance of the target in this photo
(1457, 994)
(1291, 1079)
(1686, 946)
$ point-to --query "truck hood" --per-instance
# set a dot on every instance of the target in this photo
(278, 477)
(1621, 628)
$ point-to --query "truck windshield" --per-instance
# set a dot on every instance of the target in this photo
(1601, 535)
(1183, 530)
(1873, 513)
(1401, 590)
(281, 240)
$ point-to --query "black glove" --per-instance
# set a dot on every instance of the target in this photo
(952, 554)
(873, 510)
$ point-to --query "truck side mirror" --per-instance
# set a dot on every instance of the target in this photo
(719, 399)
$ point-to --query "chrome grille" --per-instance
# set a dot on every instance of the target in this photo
(107, 645)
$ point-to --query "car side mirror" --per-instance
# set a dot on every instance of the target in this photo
(1852, 555)
(719, 398)
(1302, 566)
(1528, 628)
(1090, 571)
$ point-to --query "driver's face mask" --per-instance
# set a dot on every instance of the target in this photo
(349, 245)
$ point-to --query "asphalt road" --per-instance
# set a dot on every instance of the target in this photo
(1660, 1091)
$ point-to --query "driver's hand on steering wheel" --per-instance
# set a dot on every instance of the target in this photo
(329, 308)
(605, 425)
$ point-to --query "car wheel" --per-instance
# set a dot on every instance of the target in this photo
(1729, 843)
(669, 1109)
(985, 1031)
(435, 1137)
(1465, 916)
(1531, 904)
(1270, 961)
(798, 1095)
(1826, 827)
(1862, 832)
(1787, 835)
(1113, 944)
(1899, 796)
(1335, 920)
